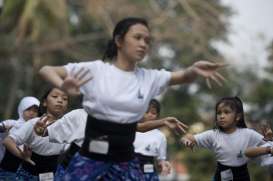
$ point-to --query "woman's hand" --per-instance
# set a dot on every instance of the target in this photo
(208, 70)
(174, 124)
(72, 83)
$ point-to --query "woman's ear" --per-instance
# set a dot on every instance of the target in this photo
(118, 41)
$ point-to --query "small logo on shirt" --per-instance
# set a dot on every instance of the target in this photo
(148, 148)
(139, 95)
(240, 155)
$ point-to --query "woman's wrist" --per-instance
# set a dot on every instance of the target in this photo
(190, 73)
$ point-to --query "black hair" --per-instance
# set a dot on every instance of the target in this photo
(155, 104)
(235, 104)
(43, 109)
(122, 27)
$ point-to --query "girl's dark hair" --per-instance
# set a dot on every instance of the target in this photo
(155, 104)
(235, 104)
(120, 30)
(43, 109)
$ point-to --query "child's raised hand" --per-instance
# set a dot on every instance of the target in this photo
(42, 124)
(165, 167)
(72, 83)
(188, 141)
(267, 133)
(174, 124)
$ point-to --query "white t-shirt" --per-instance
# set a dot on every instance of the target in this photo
(70, 128)
(229, 148)
(267, 160)
(151, 143)
(14, 124)
(116, 95)
(40, 145)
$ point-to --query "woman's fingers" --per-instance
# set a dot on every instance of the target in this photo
(213, 77)
(78, 73)
(220, 76)
(177, 126)
(83, 73)
(85, 80)
(181, 128)
(208, 83)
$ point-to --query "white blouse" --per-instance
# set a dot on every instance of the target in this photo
(151, 143)
(40, 145)
(229, 148)
(70, 128)
(116, 95)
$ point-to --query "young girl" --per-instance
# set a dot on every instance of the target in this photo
(151, 147)
(39, 155)
(116, 99)
(228, 141)
(27, 109)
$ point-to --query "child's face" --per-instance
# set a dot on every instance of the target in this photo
(226, 118)
(30, 113)
(56, 102)
(151, 114)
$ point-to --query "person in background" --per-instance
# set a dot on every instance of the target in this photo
(151, 147)
(27, 109)
(38, 154)
(228, 140)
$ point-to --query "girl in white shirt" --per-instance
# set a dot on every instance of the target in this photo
(39, 155)
(116, 98)
(27, 109)
(151, 147)
(228, 141)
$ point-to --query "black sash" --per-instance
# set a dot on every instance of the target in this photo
(143, 160)
(43, 164)
(119, 136)
(10, 162)
(240, 173)
(65, 157)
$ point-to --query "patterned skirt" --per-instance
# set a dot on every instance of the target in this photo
(85, 169)
(7, 176)
(151, 176)
(59, 172)
(23, 175)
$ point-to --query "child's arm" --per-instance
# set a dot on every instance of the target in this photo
(258, 151)
(24, 154)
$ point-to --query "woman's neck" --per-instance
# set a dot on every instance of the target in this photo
(124, 64)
